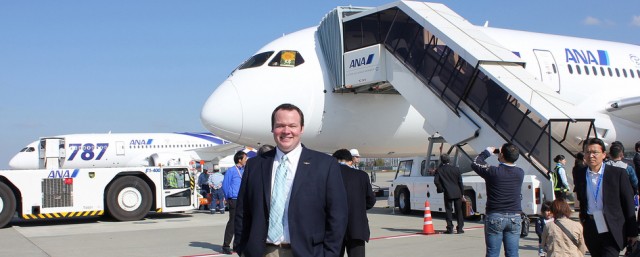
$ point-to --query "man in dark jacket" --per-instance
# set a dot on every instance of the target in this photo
(503, 222)
(606, 204)
(360, 198)
(449, 180)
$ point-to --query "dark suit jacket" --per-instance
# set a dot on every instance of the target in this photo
(317, 207)
(360, 198)
(617, 199)
(449, 179)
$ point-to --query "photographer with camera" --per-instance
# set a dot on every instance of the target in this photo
(503, 222)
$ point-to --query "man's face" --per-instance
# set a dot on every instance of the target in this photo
(594, 156)
(287, 130)
(243, 161)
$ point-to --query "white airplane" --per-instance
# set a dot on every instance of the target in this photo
(127, 149)
(372, 84)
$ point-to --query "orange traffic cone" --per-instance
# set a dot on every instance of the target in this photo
(428, 223)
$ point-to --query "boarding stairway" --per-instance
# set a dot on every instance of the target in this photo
(469, 89)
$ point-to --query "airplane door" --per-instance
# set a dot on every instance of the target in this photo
(548, 69)
(119, 148)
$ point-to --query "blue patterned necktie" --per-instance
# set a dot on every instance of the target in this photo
(278, 200)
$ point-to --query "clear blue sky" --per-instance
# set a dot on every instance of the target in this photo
(148, 66)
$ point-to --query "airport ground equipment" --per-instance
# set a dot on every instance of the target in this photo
(414, 184)
(124, 193)
(471, 90)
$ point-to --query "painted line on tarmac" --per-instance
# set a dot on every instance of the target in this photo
(207, 255)
(371, 239)
(417, 234)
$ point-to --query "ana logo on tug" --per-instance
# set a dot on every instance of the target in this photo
(63, 173)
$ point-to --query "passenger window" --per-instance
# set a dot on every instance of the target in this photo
(287, 58)
(256, 60)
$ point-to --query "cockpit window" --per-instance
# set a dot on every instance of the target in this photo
(256, 60)
(287, 58)
(28, 149)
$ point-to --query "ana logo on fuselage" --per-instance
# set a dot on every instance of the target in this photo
(141, 142)
(578, 56)
(361, 61)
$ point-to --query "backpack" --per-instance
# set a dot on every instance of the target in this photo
(526, 222)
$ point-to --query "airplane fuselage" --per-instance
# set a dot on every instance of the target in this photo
(127, 149)
(386, 125)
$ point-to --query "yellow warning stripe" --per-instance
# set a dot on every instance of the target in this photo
(159, 210)
(57, 215)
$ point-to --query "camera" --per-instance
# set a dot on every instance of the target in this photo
(496, 151)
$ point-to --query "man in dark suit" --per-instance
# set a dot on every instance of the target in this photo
(606, 203)
(292, 199)
(360, 198)
(448, 179)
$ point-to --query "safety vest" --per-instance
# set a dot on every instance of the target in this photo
(555, 178)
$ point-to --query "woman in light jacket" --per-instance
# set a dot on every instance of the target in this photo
(555, 241)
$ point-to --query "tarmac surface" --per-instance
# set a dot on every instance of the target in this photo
(198, 233)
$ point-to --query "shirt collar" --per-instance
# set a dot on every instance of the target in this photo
(507, 164)
(599, 171)
(292, 156)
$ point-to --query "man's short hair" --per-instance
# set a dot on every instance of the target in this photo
(510, 152)
(238, 156)
(637, 145)
(287, 107)
(444, 158)
(343, 155)
(615, 151)
(618, 143)
(596, 141)
(265, 148)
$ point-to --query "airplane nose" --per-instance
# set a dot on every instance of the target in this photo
(19, 162)
(222, 112)
(13, 163)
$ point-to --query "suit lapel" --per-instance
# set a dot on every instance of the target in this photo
(301, 172)
(608, 184)
(266, 169)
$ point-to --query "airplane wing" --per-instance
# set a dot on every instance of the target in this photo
(218, 150)
(626, 108)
